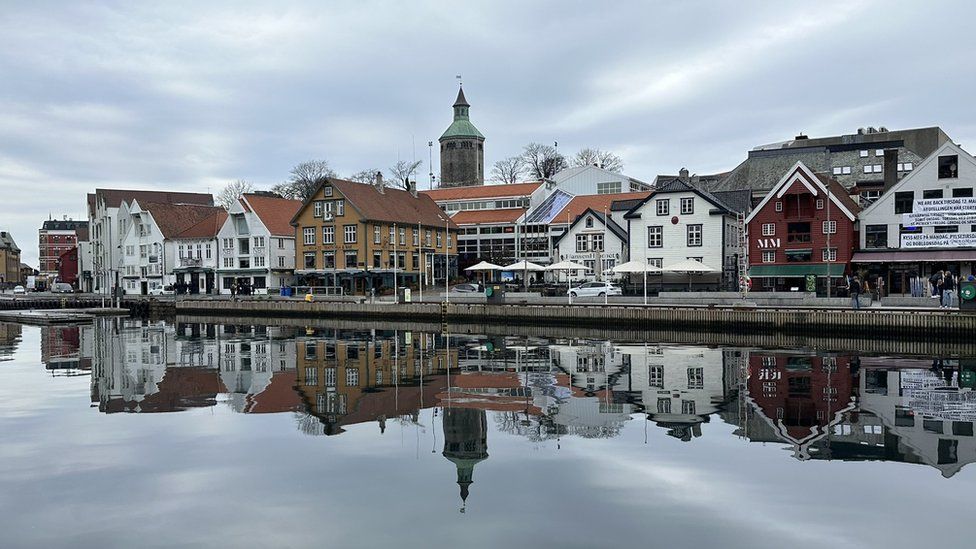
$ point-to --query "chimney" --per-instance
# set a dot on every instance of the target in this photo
(412, 188)
(378, 183)
(890, 168)
(683, 174)
(801, 137)
(695, 180)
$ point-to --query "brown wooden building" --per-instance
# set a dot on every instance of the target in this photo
(355, 236)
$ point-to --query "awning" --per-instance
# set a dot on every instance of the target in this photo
(777, 271)
(912, 256)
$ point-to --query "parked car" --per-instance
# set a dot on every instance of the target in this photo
(61, 288)
(19, 290)
(595, 289)
(467, 288)
(162, 290)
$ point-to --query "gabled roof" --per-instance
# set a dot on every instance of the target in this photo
(569, 173)
(172, 219)
(276, 213)
(599, 203)
(208, 227)
(912, 175)
(7, 242)
(678, 186)
(483, 191)
(608, 221)
(817, 184)
(392, 205)
(471, 217)
(114, 197)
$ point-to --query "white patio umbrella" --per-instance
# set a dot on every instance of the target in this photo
(483, 268)
(525, 267)
(569, 267)
(637, 266)
(689, 266)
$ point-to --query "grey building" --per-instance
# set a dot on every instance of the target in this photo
(462, 149)
(859, 161)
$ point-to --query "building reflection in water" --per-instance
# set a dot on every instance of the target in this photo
(820, 405)
(9, 337)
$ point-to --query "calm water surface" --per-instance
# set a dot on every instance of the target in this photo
(139, 434)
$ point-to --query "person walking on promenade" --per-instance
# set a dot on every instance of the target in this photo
(948, 288)
(854, 288)
(879, 287)
(936, 281)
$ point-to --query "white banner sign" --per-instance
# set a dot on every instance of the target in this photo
(938, 240)
(941, 211)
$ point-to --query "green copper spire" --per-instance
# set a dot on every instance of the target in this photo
(462, 126)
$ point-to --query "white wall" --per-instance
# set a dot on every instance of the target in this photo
(675, 246)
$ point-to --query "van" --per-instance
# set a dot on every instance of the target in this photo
(62, 288)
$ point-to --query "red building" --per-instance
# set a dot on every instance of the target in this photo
(801, 233)
(55, 237)
(68, 267)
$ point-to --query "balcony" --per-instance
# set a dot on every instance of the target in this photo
(191, 262)
(798, 237)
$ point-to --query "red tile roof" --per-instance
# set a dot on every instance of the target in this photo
(596, 202)
(483, 191)
(392, 205)
(114, 197)
(207, 227)
(469, 217)
(275, 213)
(173, 219)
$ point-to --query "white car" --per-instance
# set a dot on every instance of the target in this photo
(162, 290)
(19, 290)
(595, 289)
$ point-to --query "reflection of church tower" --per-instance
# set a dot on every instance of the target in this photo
(462, 149)
(465, 443)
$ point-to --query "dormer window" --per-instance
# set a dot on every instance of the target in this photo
(589, 222)
(948, 167)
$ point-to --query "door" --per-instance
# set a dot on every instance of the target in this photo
(144, 288)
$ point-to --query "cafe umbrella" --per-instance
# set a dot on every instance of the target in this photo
(483, 268)
(690, 266)
(637, 266)
(569, 267)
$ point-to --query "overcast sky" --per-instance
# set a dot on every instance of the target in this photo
(188, 97)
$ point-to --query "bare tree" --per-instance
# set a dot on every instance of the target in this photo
(365, 176)
(232, 191)
(304, 179)
(402, 171)
(599, 158)
(543, 161)
(509, 170)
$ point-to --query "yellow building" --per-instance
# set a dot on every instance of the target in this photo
(357, 235)
(9, 260)
(347, 381)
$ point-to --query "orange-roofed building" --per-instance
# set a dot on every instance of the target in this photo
(196, 255)
(256, 245)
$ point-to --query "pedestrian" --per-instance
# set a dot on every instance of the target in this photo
(233, 289)
(936, 281)
(879, 287)
(948, 288)
(854, 288)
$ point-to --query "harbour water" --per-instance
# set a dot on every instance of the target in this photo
(163, 434)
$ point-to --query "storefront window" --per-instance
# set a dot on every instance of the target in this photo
(876, 236)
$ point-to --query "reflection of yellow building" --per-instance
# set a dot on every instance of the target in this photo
(344, 382)
(9, 336)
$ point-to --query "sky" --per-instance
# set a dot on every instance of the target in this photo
(192, 95)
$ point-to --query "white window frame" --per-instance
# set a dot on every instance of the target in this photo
(690, 203)
(662, 206)
(655, 232)
(829, 254)
(769, 229)
(328, 234)
(349, 234)
(829, 227)
(778, 206)
(308, 236)
(769, 256)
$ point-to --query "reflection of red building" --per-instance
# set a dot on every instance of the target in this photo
(180, 389)
(803, 226)
(800, 395)
(68, 267)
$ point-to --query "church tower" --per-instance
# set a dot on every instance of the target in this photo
(462, 149)
(465, 444)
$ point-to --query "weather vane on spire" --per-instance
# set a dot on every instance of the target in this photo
(459, 80)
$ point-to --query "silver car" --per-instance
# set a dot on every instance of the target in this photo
(595, 289)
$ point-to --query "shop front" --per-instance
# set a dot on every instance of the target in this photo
(812, 277)
(906, 272)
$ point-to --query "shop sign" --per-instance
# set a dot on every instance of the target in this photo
(764, 243)
(938, 240)
(941, 211)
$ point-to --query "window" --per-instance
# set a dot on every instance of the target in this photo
(655, 236)
(837, 170)
(352, 377)
(416, 237)
(663, 206)
(769, 256)
(931, 193)
(798, 232)
(377, 234)
(427, 238)
(377, 259)
(820, 204)
(259, 261)
(340, 207)
(664, 405)
(328, 234)
(830, 227)
(768, 229)
(696, 378)
(905, 167)
(948, 167)
(863, 153)
(694, 235)
(245, 263)
(829, 254)
(209, 251)
(655, 376)
(799, 256)
(352, 261)
(311, 373)
(228, 243)
(330, 376)
(349, 234)
(656, 262)
(439, 240)
(878, 152)
(327, 190)
(327, 211)
(403, 236)
(229, 263)
(143, 251)
(608, 188)
(317, 208)
(450, 241)
(904, 201)
(328, 260)
(873, 168)
(876, 236)
(281, 261)
(589, 222)
(597, 243)
(779, 206)
(309, 235)
(582, 243)
(962, 193)
(687, 206)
